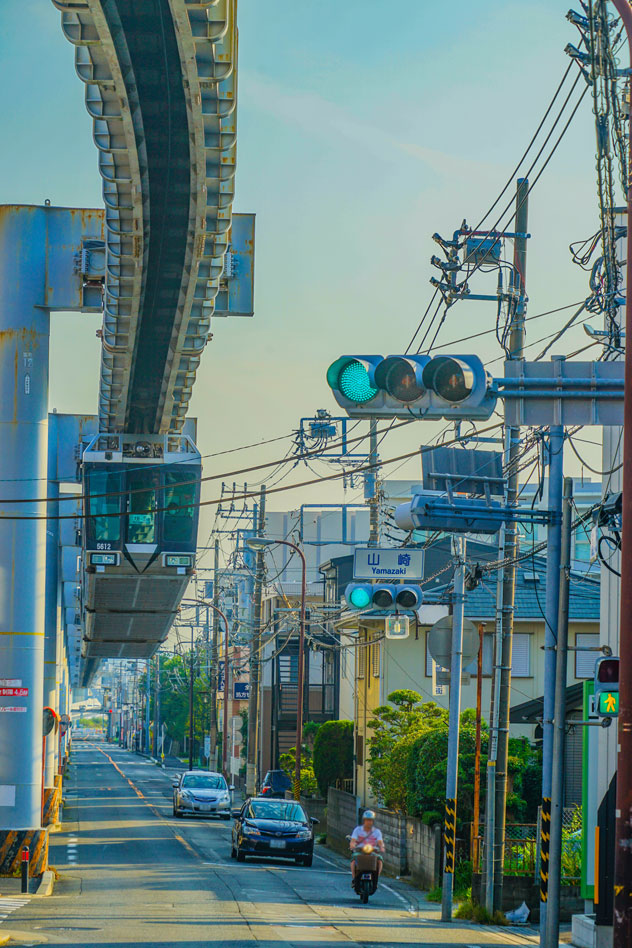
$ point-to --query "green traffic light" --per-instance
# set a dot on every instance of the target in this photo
(359, 598)
(609, 703)
(354, 382)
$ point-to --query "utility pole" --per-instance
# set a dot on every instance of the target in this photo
(456, 667)
(477, 753)
(553, 554)
(212, 760)
(157, 744)
(370, 486)
(147, 705)
(252, 764)
(191, 704)
(559, 726)
(512, 434)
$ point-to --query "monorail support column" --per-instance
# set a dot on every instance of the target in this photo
(39, 252)
(52, 628)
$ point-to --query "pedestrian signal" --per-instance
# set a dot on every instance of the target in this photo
(607, 687)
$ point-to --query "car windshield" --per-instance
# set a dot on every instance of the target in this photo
(204, 782)
(276, 810)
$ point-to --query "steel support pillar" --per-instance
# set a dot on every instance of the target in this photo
(39, 248)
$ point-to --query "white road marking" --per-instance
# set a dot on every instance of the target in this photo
(8, 905)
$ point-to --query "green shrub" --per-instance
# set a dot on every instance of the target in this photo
(473, 912)
(333, 754)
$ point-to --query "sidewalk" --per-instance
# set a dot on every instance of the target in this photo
(455, 932)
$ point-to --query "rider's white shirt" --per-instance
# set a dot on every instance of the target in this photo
(360, 836)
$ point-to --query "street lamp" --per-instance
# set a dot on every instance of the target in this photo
(260, 543)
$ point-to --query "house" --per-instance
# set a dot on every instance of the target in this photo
(385, 665)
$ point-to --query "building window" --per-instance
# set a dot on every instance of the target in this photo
(375, 659)
(585, 661)
(362, 660)
(359, 750)
(521, 655)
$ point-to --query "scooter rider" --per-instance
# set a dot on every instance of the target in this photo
(365, 834)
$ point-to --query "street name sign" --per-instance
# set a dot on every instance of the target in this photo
(388, 563)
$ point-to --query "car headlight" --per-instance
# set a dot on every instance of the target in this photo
(304, 834)
(250, 831)
(185, 794)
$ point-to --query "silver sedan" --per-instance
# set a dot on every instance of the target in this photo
(201, 793)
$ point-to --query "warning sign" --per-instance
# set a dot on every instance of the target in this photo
(13, 692)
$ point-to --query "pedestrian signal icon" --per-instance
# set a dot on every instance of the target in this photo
(609, 703)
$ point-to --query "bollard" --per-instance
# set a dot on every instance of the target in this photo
(25, 869)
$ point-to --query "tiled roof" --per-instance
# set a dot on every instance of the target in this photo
(480, 603)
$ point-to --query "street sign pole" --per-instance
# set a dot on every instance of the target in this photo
(559, 727)
(453, 733)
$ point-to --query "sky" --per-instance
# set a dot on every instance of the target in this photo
(363, 128)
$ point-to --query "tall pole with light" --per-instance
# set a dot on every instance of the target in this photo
(258, 543)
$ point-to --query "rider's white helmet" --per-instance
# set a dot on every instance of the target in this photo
(368, 815)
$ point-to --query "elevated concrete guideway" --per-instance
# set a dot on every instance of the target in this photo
(161, 87)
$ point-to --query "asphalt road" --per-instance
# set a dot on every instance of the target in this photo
(131, 874)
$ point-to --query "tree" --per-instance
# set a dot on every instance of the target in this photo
(333, 754)
(395, 728)
(427, 768)
(287, 762)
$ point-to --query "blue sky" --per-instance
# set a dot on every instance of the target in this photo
(364, 127)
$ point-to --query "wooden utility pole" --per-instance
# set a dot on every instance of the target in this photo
(212, 760)
(255, 658)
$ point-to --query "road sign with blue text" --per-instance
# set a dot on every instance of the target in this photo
(388, 563)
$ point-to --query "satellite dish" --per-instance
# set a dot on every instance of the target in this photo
(440, 642)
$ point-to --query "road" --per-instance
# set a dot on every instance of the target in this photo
(131, 874)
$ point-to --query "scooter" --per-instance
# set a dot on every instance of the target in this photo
(367, 875)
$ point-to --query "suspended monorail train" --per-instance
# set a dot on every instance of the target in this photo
(141, 507)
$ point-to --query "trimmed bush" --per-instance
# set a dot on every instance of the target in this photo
(333, 754)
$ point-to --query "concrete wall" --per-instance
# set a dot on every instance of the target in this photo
(519, 889)
(317, 807)
(342, 818)
(412, 848)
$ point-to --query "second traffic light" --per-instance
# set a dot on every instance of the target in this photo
(607, 687)
(412, 385)
(383, 596)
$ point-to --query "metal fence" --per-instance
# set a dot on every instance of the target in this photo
(522, 848)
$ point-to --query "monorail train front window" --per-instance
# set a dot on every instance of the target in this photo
(141, 520)
(104, 494)
(180, 489)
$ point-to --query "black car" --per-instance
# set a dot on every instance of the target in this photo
(268, 827)
(275, 783)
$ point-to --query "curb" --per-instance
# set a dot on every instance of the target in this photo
(45, 887)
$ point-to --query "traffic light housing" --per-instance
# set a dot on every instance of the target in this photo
(401, 386)
(607, 687)
(383, 596)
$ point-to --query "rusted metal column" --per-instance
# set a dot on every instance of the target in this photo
(623, 836)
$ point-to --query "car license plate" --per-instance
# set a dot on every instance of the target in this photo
(277, 844)
(367, 875)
